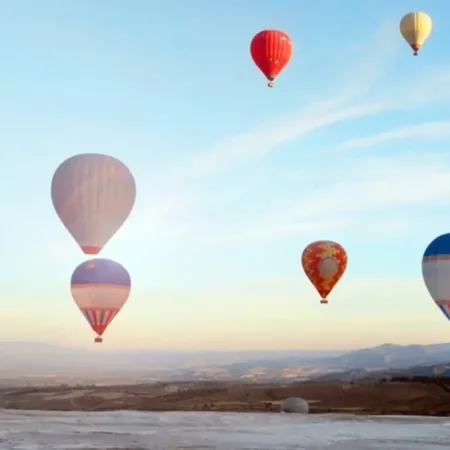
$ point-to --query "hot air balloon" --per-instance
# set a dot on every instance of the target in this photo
(93, 195)
(436, 272)
(324, 263)
(100, 287)
(415, 27)
(271, 50)
(294, 405)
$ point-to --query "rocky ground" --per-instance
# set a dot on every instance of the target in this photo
(409, 397)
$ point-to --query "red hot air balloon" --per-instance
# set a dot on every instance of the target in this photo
(100, 287)
(93, 195)
(324, 263)
(271, 50)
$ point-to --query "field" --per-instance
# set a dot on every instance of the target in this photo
(411, 397)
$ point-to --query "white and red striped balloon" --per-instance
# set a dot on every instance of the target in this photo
(93, 195)
(100, 288)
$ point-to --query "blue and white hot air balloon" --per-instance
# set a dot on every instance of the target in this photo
(436, 272)
(100, 287)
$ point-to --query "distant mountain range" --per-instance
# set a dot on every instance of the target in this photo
(388, 360)
(436, 370)
(28, 360)
(386, 356)
(41, 358)
(392, 356)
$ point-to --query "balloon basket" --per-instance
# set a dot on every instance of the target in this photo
(98, 340)
(324, 301)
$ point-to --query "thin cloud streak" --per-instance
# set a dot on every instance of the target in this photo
(256, 144)
(173, 215)
(338, 205)
(250, 146)
(368, 72)
(385, 185)
(243, 149)
(424, 131)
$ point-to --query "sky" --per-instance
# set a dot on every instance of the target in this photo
(233, 179)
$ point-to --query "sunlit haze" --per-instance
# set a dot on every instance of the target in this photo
(233, 179)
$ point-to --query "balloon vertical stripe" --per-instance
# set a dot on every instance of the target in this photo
(271, 50)
(93, 195)
(415, 28)
(100, 288)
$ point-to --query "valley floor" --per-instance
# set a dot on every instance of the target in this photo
(416, 397)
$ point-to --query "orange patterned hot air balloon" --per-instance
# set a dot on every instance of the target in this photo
(324, 263)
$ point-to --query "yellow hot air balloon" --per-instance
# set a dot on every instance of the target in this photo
(415, 28)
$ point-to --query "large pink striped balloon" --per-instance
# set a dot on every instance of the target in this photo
(93, 195)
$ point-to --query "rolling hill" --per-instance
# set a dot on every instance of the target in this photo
(28, 360)
(391, 356)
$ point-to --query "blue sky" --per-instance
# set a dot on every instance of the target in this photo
(234, 179)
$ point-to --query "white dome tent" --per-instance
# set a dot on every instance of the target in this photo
(294, 405)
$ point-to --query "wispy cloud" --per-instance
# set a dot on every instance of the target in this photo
(423, 131)
(432, 84)
(257, 143)
(385, 186)
(363, 77)
(171, 213)
(383, 182)
(380, 196)
(377, 184)
(185, 219)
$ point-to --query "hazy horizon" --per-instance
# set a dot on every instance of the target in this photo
(233, 179)
(83, 346)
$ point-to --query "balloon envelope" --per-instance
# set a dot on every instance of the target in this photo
(294, 405)
(324, 263)
(271, 50)
(93, 195)
(415, 28)
(100, 287)
(436, 272)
